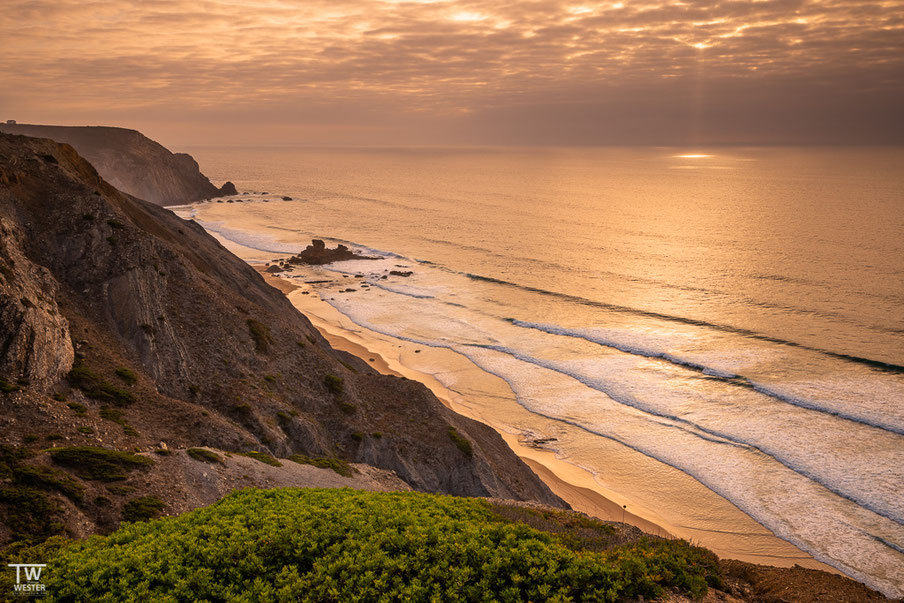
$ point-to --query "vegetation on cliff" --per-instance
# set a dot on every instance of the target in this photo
(339, 545)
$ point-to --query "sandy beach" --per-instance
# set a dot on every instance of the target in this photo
(572, 483)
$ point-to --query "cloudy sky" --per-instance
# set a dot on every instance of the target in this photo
(460, 71)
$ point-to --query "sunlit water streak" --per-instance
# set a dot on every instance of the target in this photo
(739, 319)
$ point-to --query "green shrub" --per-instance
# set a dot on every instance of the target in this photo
(338, 465)
(462, 442)
(241, 409)
(6, 387)
(200, 454)
(85, 430)
(357, 436)
(262, 457)
(79, 409)
(126, 375)
(95, 386)
(90, 462)
(348, 366)
(29, 513)
(114, 415)
(334, 384)
(53, 437)
(260, 333)
(342, 545)
(115, 224)
(142, 508)
(10, 457)
(120, 489)
(347, 407)
(48, 478)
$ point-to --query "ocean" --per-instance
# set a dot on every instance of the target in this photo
(716, 334)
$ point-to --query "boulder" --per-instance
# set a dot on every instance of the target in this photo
(318, 253)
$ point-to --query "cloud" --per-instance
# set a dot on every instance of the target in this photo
(532, 71)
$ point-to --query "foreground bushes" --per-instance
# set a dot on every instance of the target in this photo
(347, 545)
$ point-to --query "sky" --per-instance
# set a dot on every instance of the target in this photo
(518, 72)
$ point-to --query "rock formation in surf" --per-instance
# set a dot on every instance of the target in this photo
(318, 253)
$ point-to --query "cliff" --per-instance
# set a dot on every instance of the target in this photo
(125, 327)
(132, 162)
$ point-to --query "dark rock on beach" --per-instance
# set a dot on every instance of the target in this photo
(318, 253)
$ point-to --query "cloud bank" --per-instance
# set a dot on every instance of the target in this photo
(461, 71)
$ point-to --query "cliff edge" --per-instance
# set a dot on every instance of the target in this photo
(126, 328)
(132, 162)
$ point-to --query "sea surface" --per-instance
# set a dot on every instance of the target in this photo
(735, 315)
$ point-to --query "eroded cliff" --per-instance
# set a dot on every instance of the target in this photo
(132, 162)
(123, 326)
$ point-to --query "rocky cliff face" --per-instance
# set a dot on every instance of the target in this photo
(132, 162)
(170, 338)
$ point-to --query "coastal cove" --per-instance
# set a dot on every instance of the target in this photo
(734, 385)
(481, 401)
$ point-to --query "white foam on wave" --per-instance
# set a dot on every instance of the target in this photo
(868, 469)
(867, 404)
(252, 240)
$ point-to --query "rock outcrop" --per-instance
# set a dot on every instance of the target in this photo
(174, 339)
(318, 253)
(132, 162)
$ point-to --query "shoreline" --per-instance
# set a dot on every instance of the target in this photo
(489, 399)
(570, 482)
(573, 489)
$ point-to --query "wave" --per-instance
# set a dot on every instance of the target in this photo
(691, 428)
(266, 243)
(726, 377)
(878, 365)
(259, 242)
(399, 291)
